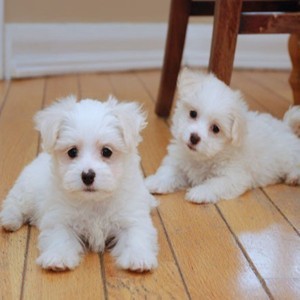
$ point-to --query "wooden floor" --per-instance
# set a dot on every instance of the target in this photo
(246, 248)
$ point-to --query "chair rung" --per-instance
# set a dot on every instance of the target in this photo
(269, 23)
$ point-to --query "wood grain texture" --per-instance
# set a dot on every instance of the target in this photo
(129, 285)
(269, 79)
(286, 198)
(211, 261)
(129, 86)
(42, 284)
(18, 146)
(4, 86)
(95, 86)
(259, 96)
(59, 87)
(269, 241)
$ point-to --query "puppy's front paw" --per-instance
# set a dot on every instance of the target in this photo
(11, 219)
(58, 261)
(137, 260)
(157, 185)
(200, 194)
(293, 178)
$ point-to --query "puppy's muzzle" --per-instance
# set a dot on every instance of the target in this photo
(194, 139)
(88, 178)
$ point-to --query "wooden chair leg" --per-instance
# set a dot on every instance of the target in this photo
(226, 27)
(294, 51)
(178, 20)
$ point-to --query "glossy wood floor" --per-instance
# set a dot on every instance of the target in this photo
(246, 248)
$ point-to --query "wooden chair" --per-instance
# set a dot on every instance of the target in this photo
(231, 17)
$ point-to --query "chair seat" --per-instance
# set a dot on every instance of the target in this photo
(206, 7)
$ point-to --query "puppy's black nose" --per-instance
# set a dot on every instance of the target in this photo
(88, 178)
(194, 138)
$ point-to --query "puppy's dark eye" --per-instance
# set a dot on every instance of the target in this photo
(193, 114)
(73, 152)
(106, 152)
(215, 128)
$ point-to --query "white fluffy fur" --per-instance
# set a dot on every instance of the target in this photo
(50, 192)
(250, 150)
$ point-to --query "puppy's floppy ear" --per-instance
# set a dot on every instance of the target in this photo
(188, 81)
(48, 121)
(132, 120)
(238, 115)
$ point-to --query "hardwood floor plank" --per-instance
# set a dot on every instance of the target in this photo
(269, 241)
(150, 80)
(58, 87)
(132, 90)
(162, 283)
(19, 144)
(165, 281)
(86, 279)
(95, 86)
(200, 239)
(270, 81)
(211, 261)
(268, 102)
(281, 82)
(286, 198)
(4, 86)
(83, 282)
(285, 289)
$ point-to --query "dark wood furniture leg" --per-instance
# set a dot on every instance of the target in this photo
(178, 20)
(294, 50)
(226, 27)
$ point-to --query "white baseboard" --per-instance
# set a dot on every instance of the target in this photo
(45, 49)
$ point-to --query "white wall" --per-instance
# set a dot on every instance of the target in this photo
(62, 36)
(42, 49)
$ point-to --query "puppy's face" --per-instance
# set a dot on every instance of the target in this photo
(209, 115)
(90, 142)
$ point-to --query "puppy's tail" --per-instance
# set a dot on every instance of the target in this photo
(292, 119)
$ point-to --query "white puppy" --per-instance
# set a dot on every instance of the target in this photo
(220, 149)
(87, 187)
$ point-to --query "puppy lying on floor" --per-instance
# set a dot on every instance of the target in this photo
(87, 187)
(220, 149)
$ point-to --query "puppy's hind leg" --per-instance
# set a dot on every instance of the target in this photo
(18, 206)
(293, 177)
(14, 210)
(217, 188)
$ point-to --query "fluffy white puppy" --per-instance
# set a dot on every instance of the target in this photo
(220, 149)
(87, 187)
